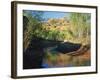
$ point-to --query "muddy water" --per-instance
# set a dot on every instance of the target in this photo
(65, 60)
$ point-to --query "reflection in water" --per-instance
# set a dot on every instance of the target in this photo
(49, 54)
(56, 59)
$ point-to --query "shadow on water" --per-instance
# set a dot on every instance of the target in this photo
(34, 54)
(43, 53)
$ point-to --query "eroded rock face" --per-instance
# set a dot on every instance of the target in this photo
(57, 24)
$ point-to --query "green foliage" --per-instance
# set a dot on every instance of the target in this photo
(33, 25)
(80, 25)
(78, 29)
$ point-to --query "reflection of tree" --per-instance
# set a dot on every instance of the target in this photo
(39, 34)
